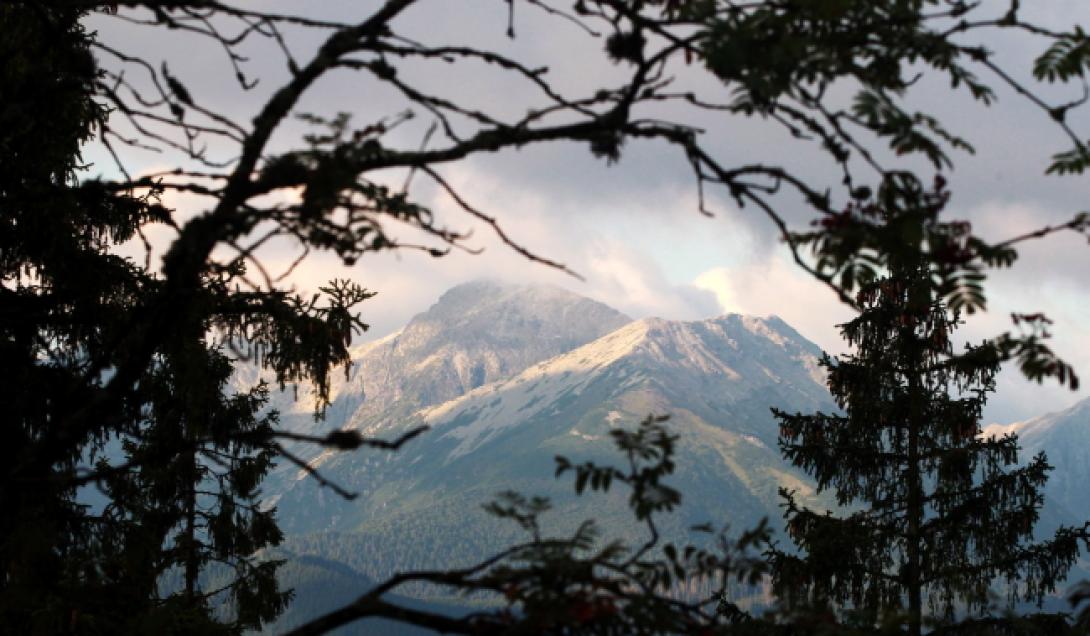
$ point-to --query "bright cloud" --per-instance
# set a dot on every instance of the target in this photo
(776, 286)
(632, 230)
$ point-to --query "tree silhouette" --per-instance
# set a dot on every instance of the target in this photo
(193, 453)
(934, 515)
(194, 501)
(101, 352)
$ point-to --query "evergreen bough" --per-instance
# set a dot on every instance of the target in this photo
(932, 514)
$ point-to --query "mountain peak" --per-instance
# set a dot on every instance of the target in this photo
(511, 315)
(475, 333)
(725, 359)
(1028, 431)
(488, 295)
(471, 291)
(509, 374)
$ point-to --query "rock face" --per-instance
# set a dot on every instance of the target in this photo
(723, 369)
(1065, 438)
(474, 334)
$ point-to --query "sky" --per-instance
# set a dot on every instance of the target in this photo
(632, 230)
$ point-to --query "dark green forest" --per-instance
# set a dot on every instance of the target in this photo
(117, 371)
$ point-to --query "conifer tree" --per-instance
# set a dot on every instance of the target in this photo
(190, 514)
(97, 349)
(185, 496)
(60, 295)
(932, 513)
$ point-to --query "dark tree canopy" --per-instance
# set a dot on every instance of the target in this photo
(66, 299)
(936, 518)
(101, 352)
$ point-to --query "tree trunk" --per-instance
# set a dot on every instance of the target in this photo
(192, 560)
(915, 508)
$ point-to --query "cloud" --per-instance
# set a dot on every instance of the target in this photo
(774, 285)
(629, 281)
(617, 264)
(1048, 277)
(1059, 260)
(632, 229)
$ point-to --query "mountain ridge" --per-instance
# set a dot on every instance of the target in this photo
(673, 346)
(420, 507)
(1064, 437)
(717, 377)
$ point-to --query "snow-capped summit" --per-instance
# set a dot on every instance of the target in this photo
(700, 365)
(485, 330)
(717, 379)
(475, 333)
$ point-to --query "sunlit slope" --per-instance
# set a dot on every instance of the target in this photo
(716, 378)
(474, 334)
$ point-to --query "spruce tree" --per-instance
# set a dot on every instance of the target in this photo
(97, 349)
(932, 514)
(60, 294)
(189, 518)
(179, 456)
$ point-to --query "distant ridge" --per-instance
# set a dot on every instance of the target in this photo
(716, 377)
(510, 376)
(1064, 437)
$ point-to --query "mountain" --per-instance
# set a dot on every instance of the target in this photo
(508, 377)
(421, 506)
(726, 370)
(474, 334)
(1065, 438)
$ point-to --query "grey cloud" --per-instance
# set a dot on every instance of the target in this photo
(564, 203)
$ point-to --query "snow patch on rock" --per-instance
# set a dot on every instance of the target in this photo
(504, 404)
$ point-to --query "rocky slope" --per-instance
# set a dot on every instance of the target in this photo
(474, 334)
(716, 378)
(507, 378)
(1064, 437)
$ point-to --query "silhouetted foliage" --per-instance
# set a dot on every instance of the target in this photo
(935, 516)
(185, 492)
(101, 352)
